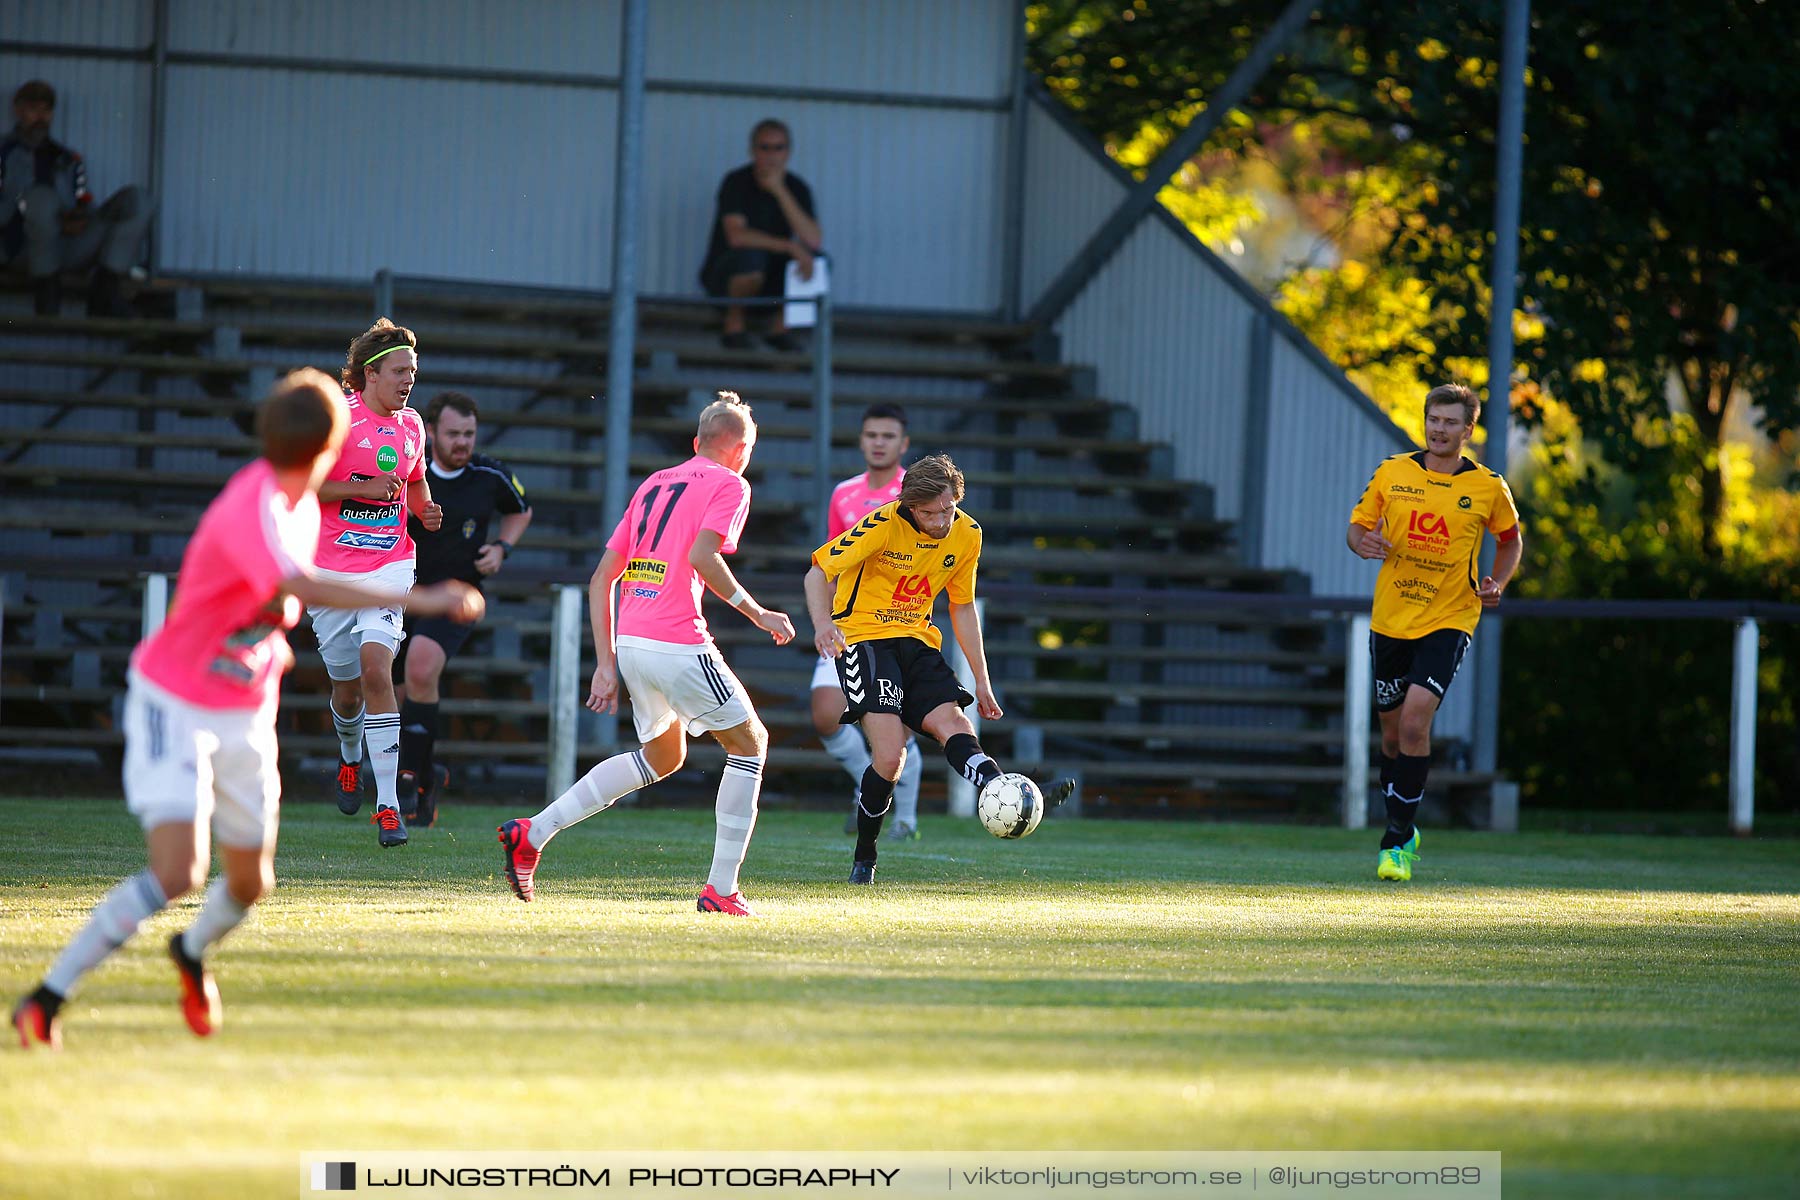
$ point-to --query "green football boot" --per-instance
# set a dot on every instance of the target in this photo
(1397, 863)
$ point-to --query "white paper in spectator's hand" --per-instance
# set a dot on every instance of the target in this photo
(803, 316)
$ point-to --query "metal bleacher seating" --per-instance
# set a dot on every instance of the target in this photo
(114, 434)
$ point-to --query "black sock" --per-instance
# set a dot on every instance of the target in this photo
(1388, 763)
(47, 1000)
(877, 796)
(1403, 796)
(967, 759)
(418, 734)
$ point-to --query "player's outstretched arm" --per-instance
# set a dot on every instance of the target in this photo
(828, 639)
(709, 564)
(965, 622)
(452, 598)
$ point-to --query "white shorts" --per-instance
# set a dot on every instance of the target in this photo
(187, 763)
(825, 675)
(696, 687)
(343, 632)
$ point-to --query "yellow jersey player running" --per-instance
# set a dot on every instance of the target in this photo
(870, 593)
(1423, 515)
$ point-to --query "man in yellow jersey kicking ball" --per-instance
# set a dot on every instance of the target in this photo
(870, 593)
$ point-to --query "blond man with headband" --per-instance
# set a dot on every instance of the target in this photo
(870, 594)
(668, 546)
(377, 481)
(200, 752)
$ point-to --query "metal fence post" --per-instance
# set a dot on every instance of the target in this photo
(1357, 674)
(1743, 726)
(384, 293)
(821, 398)
(156, 604)
(564, 700)
(960, 791)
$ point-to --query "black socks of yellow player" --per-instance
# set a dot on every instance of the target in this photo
(967, 759)
(1403, 795)
(876, 797)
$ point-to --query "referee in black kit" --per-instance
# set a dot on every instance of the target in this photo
(470, 488)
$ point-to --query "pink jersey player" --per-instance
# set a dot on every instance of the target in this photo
(224, 644)
(659, 593)
(854, 499)
(358, 535)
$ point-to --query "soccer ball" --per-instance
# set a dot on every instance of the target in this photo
(1010, 806)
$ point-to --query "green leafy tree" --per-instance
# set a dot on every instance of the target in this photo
(1658, 201)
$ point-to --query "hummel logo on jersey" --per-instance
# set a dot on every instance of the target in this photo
(869, 522)
(365, 444)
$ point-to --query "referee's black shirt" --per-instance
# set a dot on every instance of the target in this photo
(469, 497)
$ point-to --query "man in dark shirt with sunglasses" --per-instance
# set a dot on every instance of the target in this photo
(765, 218)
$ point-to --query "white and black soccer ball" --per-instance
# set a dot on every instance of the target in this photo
(1010, 806)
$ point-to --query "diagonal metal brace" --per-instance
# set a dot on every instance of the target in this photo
(1111, 235)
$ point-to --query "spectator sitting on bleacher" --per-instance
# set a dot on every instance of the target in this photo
(48, 218)
(765, 218)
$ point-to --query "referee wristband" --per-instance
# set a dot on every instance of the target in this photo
(505, 548)
(738, 597)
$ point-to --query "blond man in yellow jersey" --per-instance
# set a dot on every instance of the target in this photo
(1423, 516)
(870, 593)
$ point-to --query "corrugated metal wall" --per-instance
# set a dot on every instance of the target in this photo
(1068, 193)
(348, 155)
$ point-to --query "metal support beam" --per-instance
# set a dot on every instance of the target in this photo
(1141, 198)
(1358, 675)
(156, 605)
(1252, 503)
(822, 423)
(622, 344)
(960, 793)
(1509, 144)
(384, 294)
(1012, 198)
(565, 698)
(159, 120)
(1743, 726)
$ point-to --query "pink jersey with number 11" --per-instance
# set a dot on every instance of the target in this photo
(659, 593)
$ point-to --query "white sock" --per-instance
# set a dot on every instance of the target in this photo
(735, 814)
(846, 746)
(382, 731)
(906, 788)
(219, 915)
(350, 732)
(618, 776)
(110, 926)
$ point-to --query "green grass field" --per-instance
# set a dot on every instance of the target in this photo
(1619, 1016)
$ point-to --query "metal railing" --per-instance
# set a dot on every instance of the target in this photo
(566, 605)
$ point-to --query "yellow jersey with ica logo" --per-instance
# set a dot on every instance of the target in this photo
(888, 574)
(1434, 522)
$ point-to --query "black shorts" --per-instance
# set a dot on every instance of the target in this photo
(902, 676)
(442, 630)
(1430, 661)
